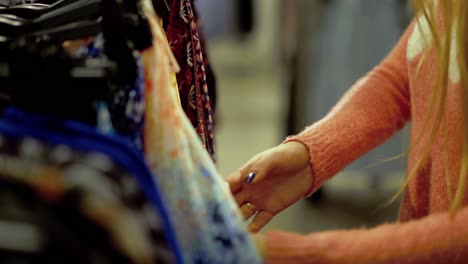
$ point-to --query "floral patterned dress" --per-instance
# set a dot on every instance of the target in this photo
(208, 224)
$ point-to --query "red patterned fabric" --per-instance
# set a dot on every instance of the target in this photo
(184, 39)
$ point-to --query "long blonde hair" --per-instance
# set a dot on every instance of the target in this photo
(446, 18)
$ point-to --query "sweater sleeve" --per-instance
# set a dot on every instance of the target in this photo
(370, 112)
(437, 238)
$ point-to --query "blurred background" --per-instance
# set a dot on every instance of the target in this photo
(282, 65)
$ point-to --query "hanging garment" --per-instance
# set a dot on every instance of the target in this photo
(37, 227)
(196, 88)
(210, 75)
(209, 226)
(125, 105)
(127, 108)
(130, 208)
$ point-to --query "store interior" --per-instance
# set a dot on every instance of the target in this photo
(160, 101)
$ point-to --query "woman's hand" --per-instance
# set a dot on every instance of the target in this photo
(271, 181)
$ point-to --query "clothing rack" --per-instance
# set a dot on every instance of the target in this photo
(94, 143)
(40, 35)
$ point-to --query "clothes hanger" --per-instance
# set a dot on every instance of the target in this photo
(78, 30)
(13, 17)
(34, 10)
(71, 11)
(67, 11)
(25, 11)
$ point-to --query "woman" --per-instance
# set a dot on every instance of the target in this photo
(424, 79)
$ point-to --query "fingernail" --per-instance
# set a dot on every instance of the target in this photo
(250, 177)
(252, 229)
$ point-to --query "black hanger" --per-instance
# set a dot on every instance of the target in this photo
(72, 12)
(34, 10)
(59, 18)
(26, 11)
(132, 25)
(73, 31)
(12, 17)
(65, 12)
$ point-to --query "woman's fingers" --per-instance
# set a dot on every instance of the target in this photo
(235, 182)
(252, 172)
(260, 220)
(242, 197)
(285, 158)
(248, 210)
(237, 178)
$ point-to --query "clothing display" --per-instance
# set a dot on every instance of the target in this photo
(200, 204)
(72, 156)
(396, 91)
(124, 106)
(40, 229)
(99, 131)
(196, 88)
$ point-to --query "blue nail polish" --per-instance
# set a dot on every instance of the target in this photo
(250, 177)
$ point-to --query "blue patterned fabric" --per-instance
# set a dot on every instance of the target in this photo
(209, 225)
(125, 104)
(85, 139)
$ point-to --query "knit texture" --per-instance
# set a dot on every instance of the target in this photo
(376, 107)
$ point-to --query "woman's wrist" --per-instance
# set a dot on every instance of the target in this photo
(303, 159)
(301, 152)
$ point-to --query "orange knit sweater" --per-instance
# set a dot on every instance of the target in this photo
(371, 111)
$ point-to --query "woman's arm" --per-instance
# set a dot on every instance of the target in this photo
(375, 108)
(437, 238)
